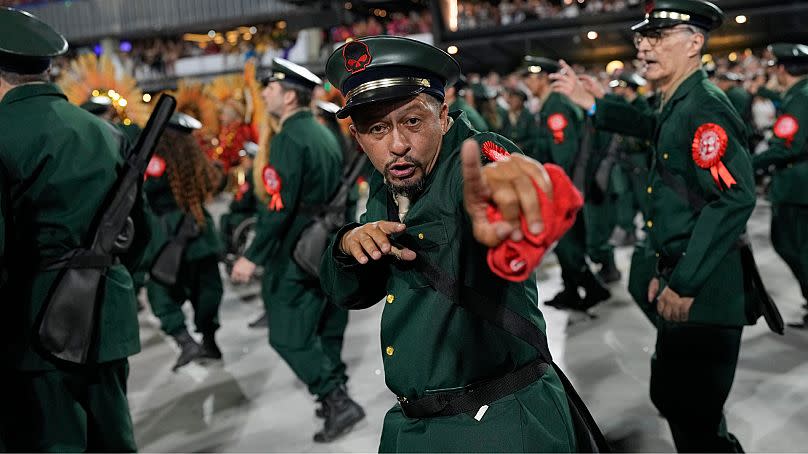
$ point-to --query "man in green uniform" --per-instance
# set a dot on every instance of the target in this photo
(634, 157)
(58, 164)
(304, 171)
(455, 101)
(566, 140)
(732, 84)
(787, 160)
(454, 372)
(635, 160)
(701, 194)
(517, 123)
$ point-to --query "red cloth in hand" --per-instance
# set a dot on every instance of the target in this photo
(516, 260)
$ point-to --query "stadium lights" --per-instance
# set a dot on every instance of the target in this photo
(146, 97)
(452, 50)
(741, 19)
(592, 35)
(212, 34)
(733, 56)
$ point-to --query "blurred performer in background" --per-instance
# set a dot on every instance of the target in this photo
(303, 172)
(179, 181)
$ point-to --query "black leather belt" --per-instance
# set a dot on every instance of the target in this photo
(666, 263)
(473, 397)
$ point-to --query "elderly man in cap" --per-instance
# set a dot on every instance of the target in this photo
(701, 194)
(304, 171)
(787, 161)
(58, 163)
(461, 337)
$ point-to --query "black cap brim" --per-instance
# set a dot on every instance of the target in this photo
(380, 95)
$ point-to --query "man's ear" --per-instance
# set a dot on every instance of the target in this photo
(290, 97)
(696, 45)
(444, 118)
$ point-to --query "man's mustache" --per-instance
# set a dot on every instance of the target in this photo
(403, 159)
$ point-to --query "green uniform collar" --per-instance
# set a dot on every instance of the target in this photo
(31, 90)
(300, 114)
(684, 88)
(800, 85)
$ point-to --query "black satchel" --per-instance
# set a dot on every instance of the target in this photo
(67, 324)
(328, 218)
(166, 266)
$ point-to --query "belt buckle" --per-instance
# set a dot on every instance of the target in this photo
(402, 401)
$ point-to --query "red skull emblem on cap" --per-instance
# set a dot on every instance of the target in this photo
(357, 56)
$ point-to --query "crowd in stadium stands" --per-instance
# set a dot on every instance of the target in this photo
(399, 24)
(13, 3)
(481, 14)
(155, 58)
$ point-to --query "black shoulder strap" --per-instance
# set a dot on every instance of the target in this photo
(679, 187)
(513, 323)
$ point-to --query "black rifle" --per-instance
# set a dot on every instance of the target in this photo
(67, 327)
(166, 266)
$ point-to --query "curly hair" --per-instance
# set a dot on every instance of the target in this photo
(192, 177)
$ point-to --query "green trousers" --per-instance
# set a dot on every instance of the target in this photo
(600, 220)
(789, 230)
(305, 328)
(571, 253)
(692, 372)
(200, 283)
(73, 409)
(534, 419)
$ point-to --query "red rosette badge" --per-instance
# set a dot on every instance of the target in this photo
(494, 152)
(557, 123)
(709, 145)
(786, 128)
(156, 167)
(272, 184)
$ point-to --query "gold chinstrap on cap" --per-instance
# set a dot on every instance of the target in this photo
(388, 82)
(669, 15)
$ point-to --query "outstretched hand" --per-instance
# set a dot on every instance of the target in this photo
(508, 184)
(566, 82)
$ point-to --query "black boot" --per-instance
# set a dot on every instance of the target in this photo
(260, 322)
(609, 273)
(563, 299)
(189, 349)
(595, 291)
(209, 348)
(341, 414)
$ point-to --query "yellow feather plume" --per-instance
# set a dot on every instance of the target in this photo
(90, 76)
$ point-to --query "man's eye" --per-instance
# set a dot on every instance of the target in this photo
(376, 129)
(413, 121)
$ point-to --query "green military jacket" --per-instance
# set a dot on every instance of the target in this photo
(710, 266)
(166, 220)
(523, 133)
(57, 164)
(428, 342)
(308, 162)
(790, 141)
(477, 121)
(561, 125)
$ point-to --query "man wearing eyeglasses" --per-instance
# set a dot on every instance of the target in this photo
(701, 194)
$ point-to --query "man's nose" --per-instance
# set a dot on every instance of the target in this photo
(400, 145)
